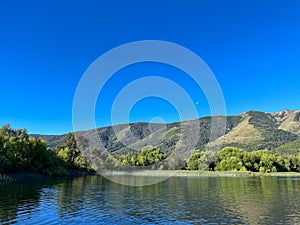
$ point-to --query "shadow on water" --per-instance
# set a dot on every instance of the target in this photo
(195, 200)
(15, 195)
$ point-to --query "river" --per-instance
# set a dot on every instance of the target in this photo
(177, 200)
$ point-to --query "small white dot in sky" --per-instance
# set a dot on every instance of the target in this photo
(197, 103)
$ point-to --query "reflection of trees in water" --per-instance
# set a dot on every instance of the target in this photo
(14, 196)
(260, 199)
(26, 195)
(186, 199)
(75, 195)
(71, 191)
(221, 199)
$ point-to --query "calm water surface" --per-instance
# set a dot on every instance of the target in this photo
(178, 200)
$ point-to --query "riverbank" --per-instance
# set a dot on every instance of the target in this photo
(236, 174)
(21, 177)
(24, 176)
(185, 173)
(27, 176)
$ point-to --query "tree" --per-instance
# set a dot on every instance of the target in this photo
(230, 159)
(20, 152)
(231, 164)
(149, 155)
(228, 152)
(201, 161)
(69, 151)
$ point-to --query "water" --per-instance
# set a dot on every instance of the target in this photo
(178, 200)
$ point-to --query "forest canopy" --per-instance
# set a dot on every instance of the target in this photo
(20, 152)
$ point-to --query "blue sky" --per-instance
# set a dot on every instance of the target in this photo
(252, 47)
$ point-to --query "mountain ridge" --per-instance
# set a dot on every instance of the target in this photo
(251, 130)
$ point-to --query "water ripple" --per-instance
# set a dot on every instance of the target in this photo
(94, 200)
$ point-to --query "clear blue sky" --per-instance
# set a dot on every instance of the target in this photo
(252, 46)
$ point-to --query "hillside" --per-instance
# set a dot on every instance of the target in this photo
(251, 130)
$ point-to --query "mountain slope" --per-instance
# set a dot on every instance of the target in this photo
(251, 130)
(259, 130)
(291, 121)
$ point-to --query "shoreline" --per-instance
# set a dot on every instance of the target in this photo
(29, 176)
(185, 173)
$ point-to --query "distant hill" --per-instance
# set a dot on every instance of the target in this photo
(251, 130)
(259, 130)
(53, 140)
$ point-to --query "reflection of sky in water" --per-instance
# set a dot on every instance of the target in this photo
(181, 200)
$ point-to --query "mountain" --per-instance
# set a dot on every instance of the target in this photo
(251, 130)
(259, 130)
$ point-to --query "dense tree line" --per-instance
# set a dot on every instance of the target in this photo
(19, 152)
(234, 159)
(69, 152)
(149, 155)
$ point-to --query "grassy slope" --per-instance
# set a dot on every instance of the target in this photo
(291, 148)
(251, 131)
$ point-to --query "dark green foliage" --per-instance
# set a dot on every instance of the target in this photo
(177, 138)
(201, 161)
(148, 156)
(52, 140)
(229, 158)
(206, 127)
(262, 119)
(18, 151)
(234, 159)
(70, 152)
(170, 140)
(275, 138)
(232, 121)
(272, 139)
(295, 163)
(195, 161)
(256, 161)
(265, 161)
(109, 139)
(289, 149)
(251, 160)
(141, 135)
(141, 130)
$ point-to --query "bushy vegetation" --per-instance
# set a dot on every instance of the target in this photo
(262, 119)
(201, 161)
(70, 153)
(291, 148)
(147, 156)
(234, 159)
(19, 152)
(264, 129)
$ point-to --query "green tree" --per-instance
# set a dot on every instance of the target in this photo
(20, 152)
(69, 151)
(251, 160)
(149, 155)
(228, 152)
(230, 159)
(294, 163)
